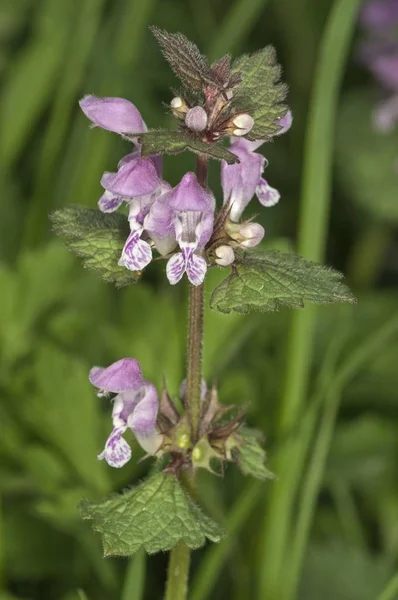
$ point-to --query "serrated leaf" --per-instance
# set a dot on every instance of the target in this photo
(184, 57)
(260, 92)
(98, 238)
(155, 515)
(250, 456)
(367, 158)
(173, 142)
(269, 280)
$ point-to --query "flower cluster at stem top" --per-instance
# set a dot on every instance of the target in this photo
(180, 222)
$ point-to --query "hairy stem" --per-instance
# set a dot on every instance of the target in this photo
(194, 367)
(178, 571)
(195, 333)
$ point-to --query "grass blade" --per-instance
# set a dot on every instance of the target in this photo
(74, 69)
(29, 84)
(215, 557)
(315, 201)
(313, 479)
(134, 581)
(238, 22)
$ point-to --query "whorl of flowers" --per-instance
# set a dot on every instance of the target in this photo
(181, 223)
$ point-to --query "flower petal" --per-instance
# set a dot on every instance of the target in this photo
(267, 195)
(150, 443)
(285, 122)
(175, 268)
(196, 268)
(136, 254)
(135, 178)
(128, 158)
(144, 416)
(117, 452)
(108, 202)
(121, 376)
(114, 114)
(190, 195)
(239, 181)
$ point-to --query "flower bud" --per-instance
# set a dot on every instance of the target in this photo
(246, 234)
(196, 119)
(225, 256)
(243, 124)
(179, 107)
(252, 233)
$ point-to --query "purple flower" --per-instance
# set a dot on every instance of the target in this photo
(183, 216)
(136, 176)
(135, 407)
(138, 179)
(379, 52)
(241, 181)
(379, 14)
(137, 253)
(114, 114)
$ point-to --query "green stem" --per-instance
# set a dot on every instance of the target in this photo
(195, 333)
(315, 204)
(178, 571)
(194, 367)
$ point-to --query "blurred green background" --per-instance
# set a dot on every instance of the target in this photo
(329, 526)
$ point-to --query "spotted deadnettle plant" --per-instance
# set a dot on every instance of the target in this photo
(190, 231)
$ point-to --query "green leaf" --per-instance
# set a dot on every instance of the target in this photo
(173, 142)
(98, 238)
(260, 93)
(250, 456)
(155, 515)
(366, 158)
(184, 58)
(269, 280)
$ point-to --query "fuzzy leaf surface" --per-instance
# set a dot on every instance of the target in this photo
(250, 456)
(155, 515)
(267, 281)
(173, 142)
(260, 92)
(98, 239)
(185, 59)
